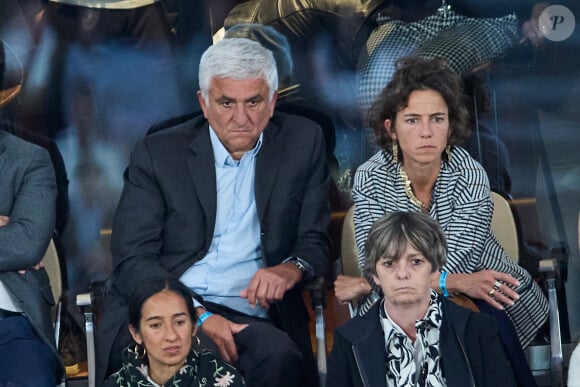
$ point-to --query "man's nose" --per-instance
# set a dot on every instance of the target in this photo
(240, 114)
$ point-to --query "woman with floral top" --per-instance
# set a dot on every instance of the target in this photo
(163, 324)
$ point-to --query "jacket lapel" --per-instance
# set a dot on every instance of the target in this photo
(454, 363)
(267, 164)
(369, 349)
(200, 162)
(2, 149)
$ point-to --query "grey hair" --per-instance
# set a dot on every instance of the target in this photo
(237, 58)
(390, 235)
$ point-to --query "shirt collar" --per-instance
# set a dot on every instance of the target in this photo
(432, 317)
(221, 154)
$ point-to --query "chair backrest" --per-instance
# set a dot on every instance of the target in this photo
(348, 249)
(53, 269)
(503, 226)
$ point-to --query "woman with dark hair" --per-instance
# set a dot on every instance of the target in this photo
(418, 120)
(162, 323)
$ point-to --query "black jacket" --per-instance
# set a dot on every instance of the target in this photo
(471, 352)
(167, 212)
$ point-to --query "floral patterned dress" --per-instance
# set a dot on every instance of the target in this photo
(201, 369)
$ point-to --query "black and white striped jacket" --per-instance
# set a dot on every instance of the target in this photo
(462, 205)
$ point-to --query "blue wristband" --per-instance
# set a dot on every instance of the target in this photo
(442, 280)
(201, 319)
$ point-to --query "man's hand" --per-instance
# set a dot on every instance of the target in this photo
(488, 285)
(3, 222)
(270, 284)
(222, 332)
(347, 288)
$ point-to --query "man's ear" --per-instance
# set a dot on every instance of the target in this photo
(135, 334)
(202, 103)
(273, 103)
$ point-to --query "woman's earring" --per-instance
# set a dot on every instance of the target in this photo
(395, 152)
(198, 342)
(448, 151)
(136, 350)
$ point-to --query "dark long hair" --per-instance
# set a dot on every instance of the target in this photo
(415, 73)
(149, 288)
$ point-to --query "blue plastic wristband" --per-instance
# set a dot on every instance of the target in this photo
(442, 280)
(201, 319)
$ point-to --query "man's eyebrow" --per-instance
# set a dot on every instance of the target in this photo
(255, 97)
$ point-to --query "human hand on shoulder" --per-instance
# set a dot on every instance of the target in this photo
(348, 288)
(270, 284)
(222, 331)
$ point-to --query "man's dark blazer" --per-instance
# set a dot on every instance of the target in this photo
(27, 196)
(166, 215)
(471, 352)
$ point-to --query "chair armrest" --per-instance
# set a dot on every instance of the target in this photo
(84, 302)
(549, 270)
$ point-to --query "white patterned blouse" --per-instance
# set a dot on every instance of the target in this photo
(462, 205)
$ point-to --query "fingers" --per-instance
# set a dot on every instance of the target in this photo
(270, 284)
(494, 287)
(500, 290)
(532, 31)
(531, 27)
(4, 220)
(221, 331)
(237, 328)
(35, 267)
(38, 265)
(250, 291)
(347, 288)
(261, 293)
(230, 352)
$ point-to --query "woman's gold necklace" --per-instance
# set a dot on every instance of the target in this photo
(409, 191)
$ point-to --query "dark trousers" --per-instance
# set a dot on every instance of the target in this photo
(267, 355)
(511, 345)
(24, 359)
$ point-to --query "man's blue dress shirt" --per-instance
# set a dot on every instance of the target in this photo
(235, 253)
